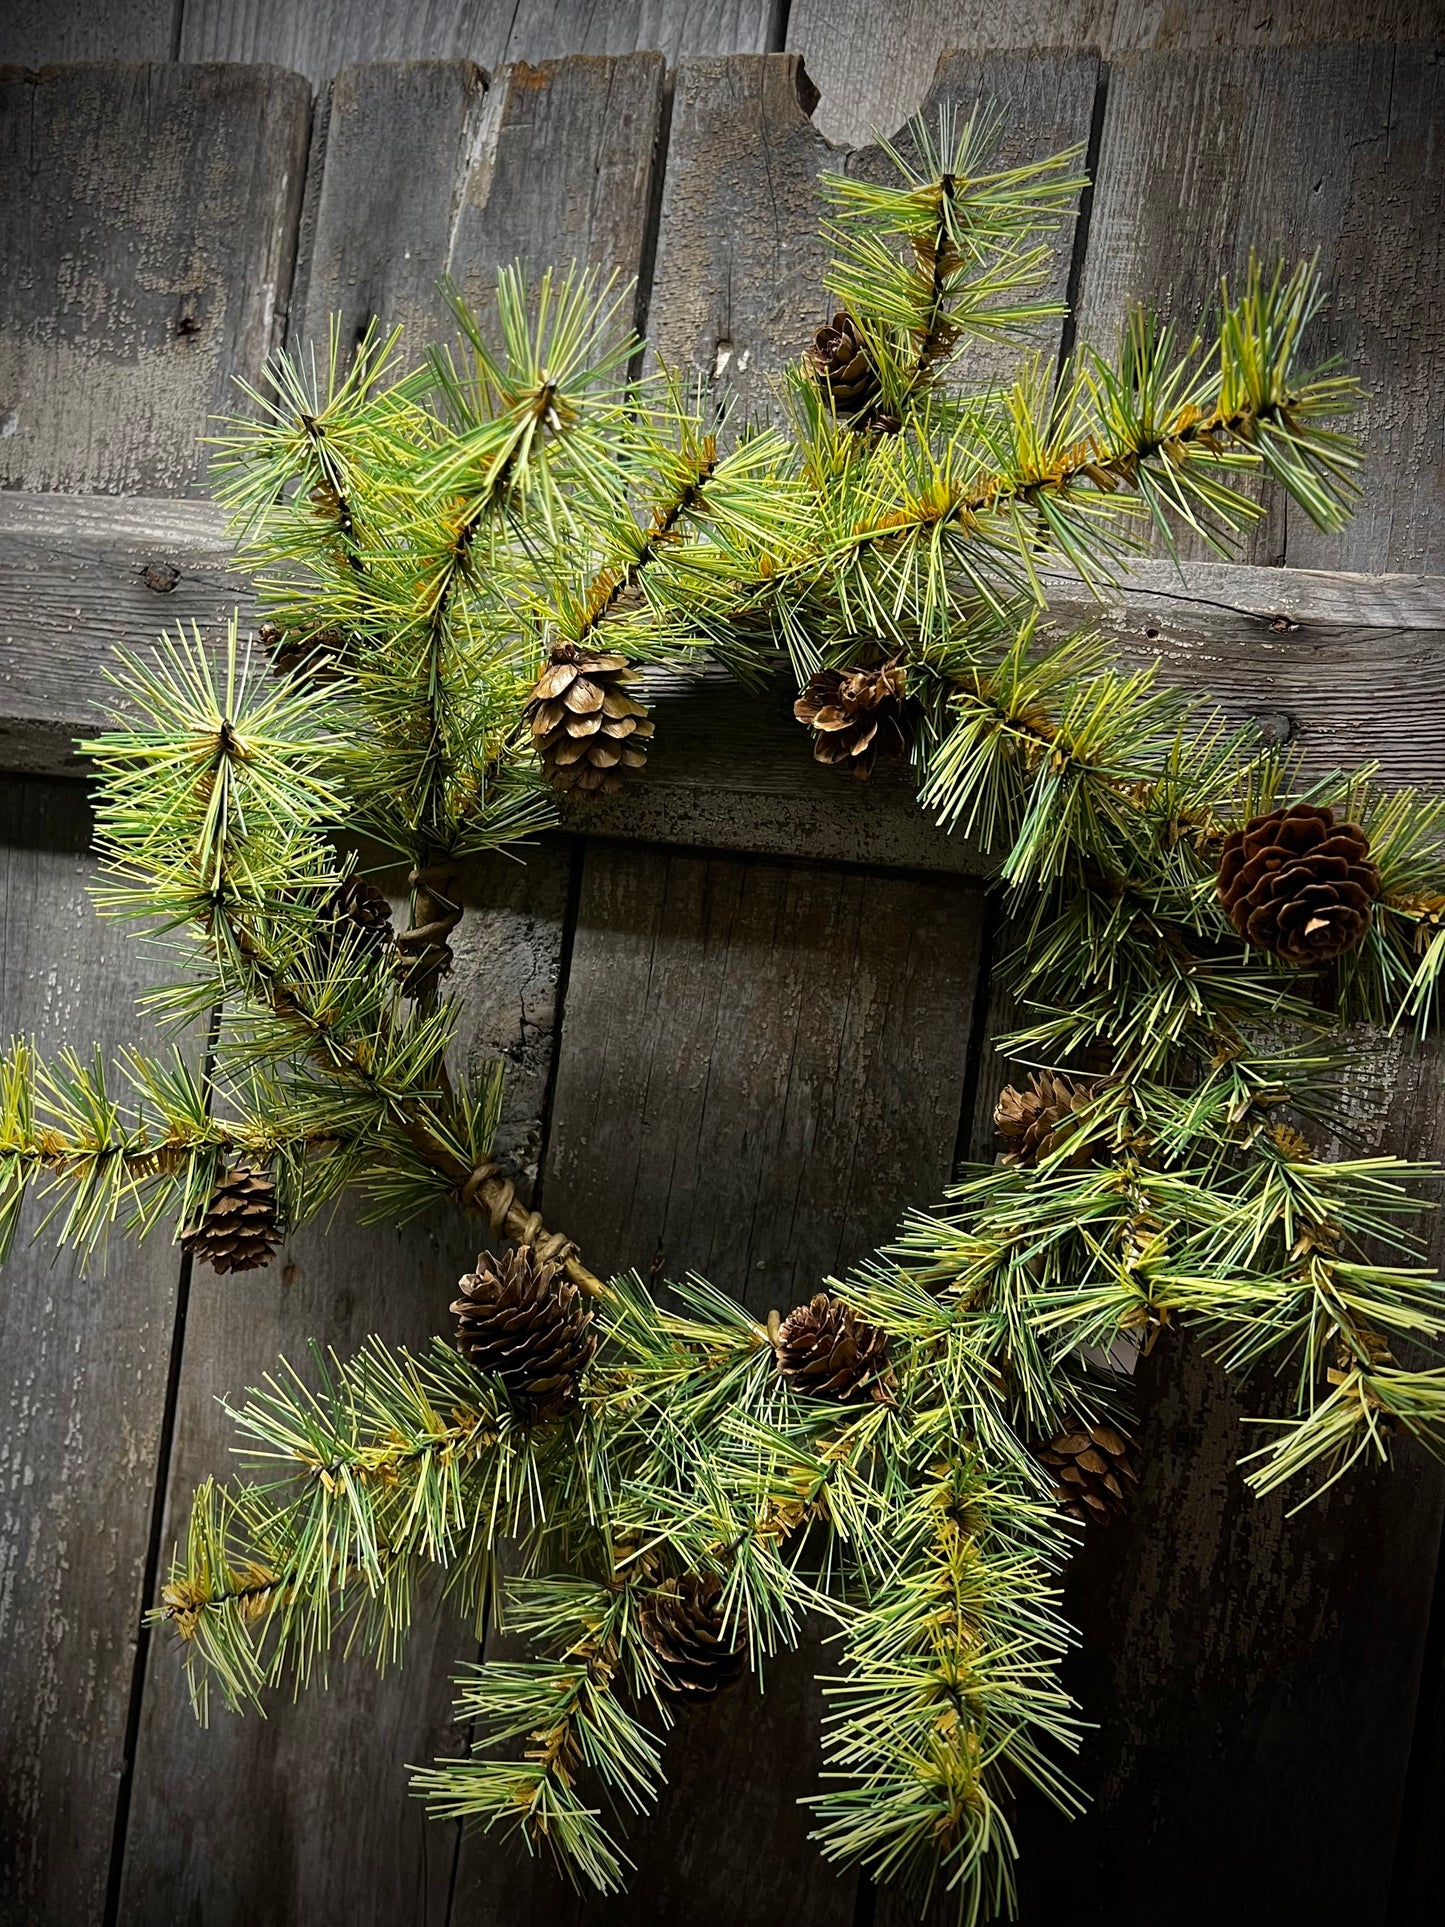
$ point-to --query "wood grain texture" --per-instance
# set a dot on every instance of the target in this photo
(1048, 101)
(83, 1366)
(318, 37)
(399, 140)
(873, 64)
(1350, 667)
(739, 283)
(1227, 1648)
(1290, 152)
(761, 1063)
(761, 1066)
(566, 174)
(303, 1813)
(325, 1820)
(328, 1823)
(510, 954)
(727, 1842)
(429, 173)
(148, 221)
(80, 575)
(35, 35)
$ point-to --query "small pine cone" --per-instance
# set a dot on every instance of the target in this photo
(828, 1351)
(683, 1624)
(313, 658)
(854, 713)
(839, 363)
(1299, 884)
(524, 1322)
(587, 728)
(1093, 1476)
(239, 1230)
(1029, 1120)
(358, 906)
(360, 903)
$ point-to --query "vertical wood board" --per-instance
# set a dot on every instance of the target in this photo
(327, 1822)
(346, 1831)
(83, 1368)
(566, 177)
(33, 34)
(148, 223)
(397, 143)
(430, 173)
(317, 37)
(303, 1813)
(761, 1067)
(873, 64)
(740, 265)
(1330, 150)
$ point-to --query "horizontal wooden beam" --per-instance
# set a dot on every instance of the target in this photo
(1352, 667)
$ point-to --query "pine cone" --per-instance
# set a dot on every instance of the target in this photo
(839, 363)
(854, 713)
(587, 729)
(358, 906)
(1297, 883)
(314, 658)
(239, 1230)
(828, 1351)
(683, 1624)
(1093, 1477)
(1029, 1120)
(525, 1323)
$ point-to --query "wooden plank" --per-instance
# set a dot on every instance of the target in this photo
(738, 288)
(399, 140)
(1290, 153)
(34, 36)
(874, 63)
(761, 1066)
(303, 1812)
(527, 200)
(326, 1822)
(1349, 666)
(320, 36)
(148, 220)
(1210, 1621)
(1226, 1649)
(325, 1781)
(1049, 102)
(79, 575)
(83, 1368)
(429, 174)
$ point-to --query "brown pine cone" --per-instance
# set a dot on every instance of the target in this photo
(1093, 1476)
(1029, 1120)
(314, 658)
(856, 712)
(827, 1351)
(524, 1322)
(840, 365)
(358, 906)
(588, 730)
(682, 1622)
(1299, 884)
(238, 1231)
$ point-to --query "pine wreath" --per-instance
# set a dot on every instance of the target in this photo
(468, 581)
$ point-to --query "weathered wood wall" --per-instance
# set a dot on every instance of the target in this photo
(745, 1007)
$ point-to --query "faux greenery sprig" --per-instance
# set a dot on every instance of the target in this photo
(429, 543)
